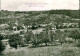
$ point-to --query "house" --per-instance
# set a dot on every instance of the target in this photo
(53, 27)
(75, 19)
(73, 24)
(24, 28)
(65, 24)
(43, 25)
(14, 28)
(70, 25)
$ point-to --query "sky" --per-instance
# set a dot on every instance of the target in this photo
(34, 5)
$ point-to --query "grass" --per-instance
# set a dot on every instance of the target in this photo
(60, 50)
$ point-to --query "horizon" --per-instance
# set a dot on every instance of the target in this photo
(43, 10)
(39, 5)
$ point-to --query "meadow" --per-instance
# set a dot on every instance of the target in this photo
(60, 50)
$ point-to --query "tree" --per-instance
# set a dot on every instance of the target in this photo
(1, 37)
(52, 36)
(60, 36)
(15, 40)
(75, 35)
(2, 46)
(48, 27)
(34, 26)
(79, 24)
(22, 41)
(35, 40)
(46, 38)
(28, 36)
(43, 37)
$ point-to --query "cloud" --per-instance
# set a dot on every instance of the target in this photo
(23, 5)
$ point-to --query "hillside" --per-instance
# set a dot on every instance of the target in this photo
(39, 17)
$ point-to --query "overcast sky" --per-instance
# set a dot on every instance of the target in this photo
(28, 5)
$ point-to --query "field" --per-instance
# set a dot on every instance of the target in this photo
(59, 50)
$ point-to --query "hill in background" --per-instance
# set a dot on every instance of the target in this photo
(39, 17)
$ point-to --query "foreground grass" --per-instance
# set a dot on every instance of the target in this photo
(60, 50)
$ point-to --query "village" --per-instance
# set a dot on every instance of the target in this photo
(22, 32)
